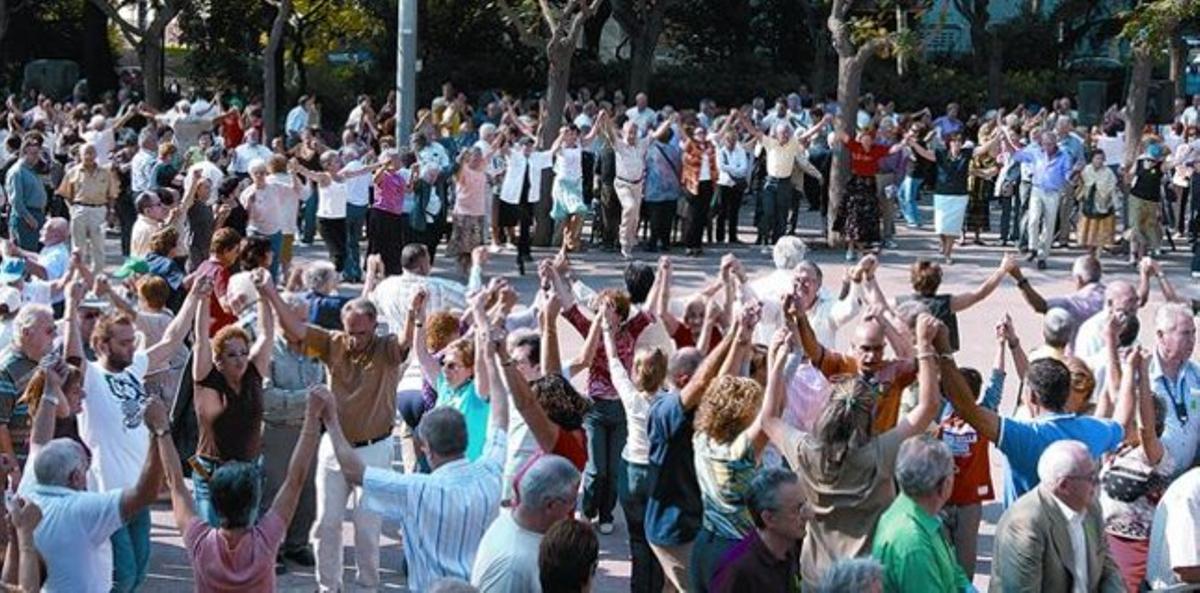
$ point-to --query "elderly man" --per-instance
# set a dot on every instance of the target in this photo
(154, 214)
(247, 152)
(363, 370)
(768, 559)
(26, 196)
(1175, 378)
(629, 151)
(908, 539)
(297, 118)
(52, 263)
(1119, 298)
(33, 339)
(90, 188)
(1086, 301)
(1023, 441)
(507, 559)
(642, 116)
(141, 166)
(1174, 542)
(1053, 539)
(782, 148)
(395, 293)
(1052, 170)
(446, 512)
(1057, 331)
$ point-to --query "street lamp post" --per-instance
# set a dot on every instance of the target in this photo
(406, 68)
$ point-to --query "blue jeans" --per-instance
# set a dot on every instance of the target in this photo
(131, 553)
(605, 426)
(309, 217)
(910, 190)
(356, 219)
(202, 494)
(706, 558)
(26, 237)
(634, 489)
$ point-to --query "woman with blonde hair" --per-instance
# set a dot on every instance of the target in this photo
(637, 391)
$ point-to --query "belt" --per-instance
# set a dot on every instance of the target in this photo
(104, 205)
(630, 182)
(369, 442)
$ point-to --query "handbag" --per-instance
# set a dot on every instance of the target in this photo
(1126, 482)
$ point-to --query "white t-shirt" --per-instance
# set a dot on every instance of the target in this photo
(272, 205)
(642, 119)
(35, 292)
(359, 187)
(111, 422)
(331, 200)
(1172, 542)
(73, 537)
(507, 559)
(105, 141)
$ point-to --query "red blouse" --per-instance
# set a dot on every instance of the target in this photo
(864, 162)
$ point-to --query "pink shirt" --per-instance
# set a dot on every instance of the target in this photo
(472, 191)
(249, 567)
(389, 191)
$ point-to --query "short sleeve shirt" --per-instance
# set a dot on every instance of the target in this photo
(247, 566)
(1023, 441)
(475, 410)
(890, 382)
(364, 383)
(111, 423)
(71, 538)
(724, 471)
(15, 371)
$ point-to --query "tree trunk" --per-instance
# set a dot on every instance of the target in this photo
(1135, 118)
(818, 78)
(150, 57)
(558, 76)
(272, 68)
(298, 49)
(641, 57)
(1178, 56)
(593, 30)
(850, 71)
(995, 71)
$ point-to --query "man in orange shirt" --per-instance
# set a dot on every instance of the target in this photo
(890, 377)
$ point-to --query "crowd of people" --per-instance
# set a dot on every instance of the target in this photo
(745, 439)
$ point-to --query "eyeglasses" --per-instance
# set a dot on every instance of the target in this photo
(1092, 478)
(450, 365)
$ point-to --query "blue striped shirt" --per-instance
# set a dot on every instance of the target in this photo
(444, 514)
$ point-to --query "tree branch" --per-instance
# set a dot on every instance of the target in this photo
(526, 38)
(870, 47)
(131, 33)
(549, 15)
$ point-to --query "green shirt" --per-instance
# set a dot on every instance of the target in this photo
(915, 554)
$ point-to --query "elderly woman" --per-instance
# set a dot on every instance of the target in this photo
(453, 372)
(228, 401)
(950, 192)
(332, 194)
(699, 175)
(1097, 197)
(471, 200)
(848, 472)
(320, 281)
(1145, 181)
(569, 207)
(858, 214)
(926, 278)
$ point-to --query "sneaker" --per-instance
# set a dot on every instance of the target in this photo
(1196, 274)
(494, 249)
(606, 528)
(510, 246)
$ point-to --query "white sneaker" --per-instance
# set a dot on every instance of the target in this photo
(606, 528)
(493, 249)
(510, 246)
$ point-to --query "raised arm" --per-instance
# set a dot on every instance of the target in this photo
(1126, 405)
(202, 362)
(662, 305)
(921, 151)
(294, 328)
(430, 368)
(551, 358)
(1113, 383)
(985, 421)
(751, 315)
(766, 425)
(1028, 292)
(181, 499)
(962, 301)
(928, 398)
(284, 505)
(180, 326)
(264, 341)
(496, 350)
(1147, 415)
(25, 517)
(693, 391)
(103, 288)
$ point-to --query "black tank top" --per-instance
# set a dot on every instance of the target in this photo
(236, 433)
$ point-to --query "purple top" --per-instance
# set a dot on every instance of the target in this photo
(390, 188)
(1081, 304)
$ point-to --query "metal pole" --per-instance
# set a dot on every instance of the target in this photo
(406, 69)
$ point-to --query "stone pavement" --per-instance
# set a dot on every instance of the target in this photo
(169, 568)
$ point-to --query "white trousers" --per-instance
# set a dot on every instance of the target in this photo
(333, 492)
(87, 233)
(630, 197)
(1043, 217)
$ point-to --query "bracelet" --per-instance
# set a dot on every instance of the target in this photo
(418, 323)
(926, 356)
(53, 399)
(507, 362)
(1023, 282)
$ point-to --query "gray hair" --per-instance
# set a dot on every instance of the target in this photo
(360, 306)
(56, 461)
(922, 465)
(764, 491)
(444, 431)
(1165, 319)
(318, 275)
(789, 252)
(684, 361)
(328, 157)
(1059, 460)
(241, 292)
(1058, 327)
(851, 575)
(28, 315)
(548, 479)
(781, 127)
(452, 585)
(487, 129)
(1087, 268)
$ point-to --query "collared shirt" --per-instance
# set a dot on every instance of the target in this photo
(1172, 545)
(365, 381)
(444, 514)
(16, 370)
(1050, 173)
(25, 190)
(141, 171)
(524, 174)
(600, 385)
(1081, 304)
(1023, 441)
(1182, 399)
(826, 315)
(643, 118)
(285, 390)
(297, 120)
(734, 165)
(912, 549)
(393, 297)
(751, 566)
(781, 158)
(244, 154)
(631, 158)
(93, 187)
(73, 537)
(1078, 545)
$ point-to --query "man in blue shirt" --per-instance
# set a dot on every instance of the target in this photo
(297, 119)
(27, 196)
(1023, 441)
(1052, 170)
(1175, 378)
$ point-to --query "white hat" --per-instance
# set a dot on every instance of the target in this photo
(11, 298)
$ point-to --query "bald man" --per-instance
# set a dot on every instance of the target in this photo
(1121, 298)
(53, 261)
(90, 188)
(866, 358)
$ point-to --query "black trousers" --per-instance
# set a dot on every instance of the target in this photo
(729, 202)
(661, 215)
(333, 232)
(610, 215)
(696, 215)
(387, 234)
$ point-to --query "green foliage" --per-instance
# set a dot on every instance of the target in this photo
(1151, 23)
(226, 42)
